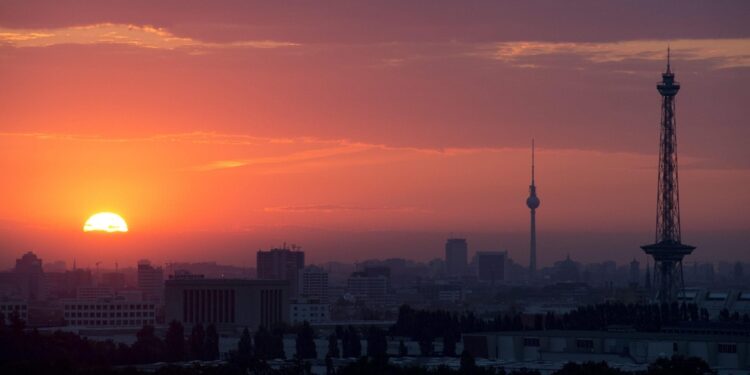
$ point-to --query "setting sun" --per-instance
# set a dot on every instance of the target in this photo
(105, 222)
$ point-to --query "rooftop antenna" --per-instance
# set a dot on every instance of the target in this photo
(669, 65)
(532, 161)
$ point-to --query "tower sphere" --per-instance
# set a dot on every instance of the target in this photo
(532, 202)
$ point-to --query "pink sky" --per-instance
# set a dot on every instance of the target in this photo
(239, 125)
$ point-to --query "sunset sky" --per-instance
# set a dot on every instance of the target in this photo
(366, 129)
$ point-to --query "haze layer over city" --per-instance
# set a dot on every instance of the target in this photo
(230, 185)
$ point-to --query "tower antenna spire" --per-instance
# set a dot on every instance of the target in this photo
(669, 57)
(532, 161)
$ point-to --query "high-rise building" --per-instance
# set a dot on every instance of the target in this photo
(456, 253)
(150, 281)
(281, 264)
(313, 283)
(533, 203)
(491, 266)
(29, 276)
(668, 249)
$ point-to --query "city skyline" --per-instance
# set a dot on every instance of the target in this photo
(182, 122)
(355, 187)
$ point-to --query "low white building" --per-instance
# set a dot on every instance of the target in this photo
(11, 306)
(108, 313)
(722, 350)
(308, 310)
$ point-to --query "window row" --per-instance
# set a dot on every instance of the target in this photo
(137, 322)
(109, 315)
(110, 307)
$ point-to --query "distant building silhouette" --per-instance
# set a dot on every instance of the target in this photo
(150, 281)
(456, 255)
(281, 264)
(114, 280)
(567, 270)
(29, 276)
(370, 286)
(313, 283)
(491, 266)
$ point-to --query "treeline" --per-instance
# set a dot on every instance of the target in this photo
(426, 325)
(18, 345)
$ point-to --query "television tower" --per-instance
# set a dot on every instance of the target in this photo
(533, 203)
(668, 249)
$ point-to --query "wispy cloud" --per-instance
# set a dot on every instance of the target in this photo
(305, 153)
(726, 53)
(296, 157)
(143, 36)
(331, 208)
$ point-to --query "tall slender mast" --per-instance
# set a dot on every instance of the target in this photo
(533, 203)
(668, 250)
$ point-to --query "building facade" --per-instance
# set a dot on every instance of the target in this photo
(281, 264)
(313, 283)
(230, 304)
(308, 310)
(9, 307)
(726, 351)
(370, 289)
(491, 266)
(94, 292)
(29, 277)
(151, 281)
(456, 255)
(112, 313)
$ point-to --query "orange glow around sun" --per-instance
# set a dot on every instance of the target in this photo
(105, 222)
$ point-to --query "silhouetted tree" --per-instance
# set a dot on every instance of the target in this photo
(468, 365)
(333, 346)
(351, 343)
(305, 342)
(245, 346)
(277, 343)
(588, 368)
(679, 365)
(377, 343)
(426, 348)
(263, 343)
(449, 344)
(174, 342)
(147, 347)
(330, 370)
(212, 343)
(403, 351)
(198, 342)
